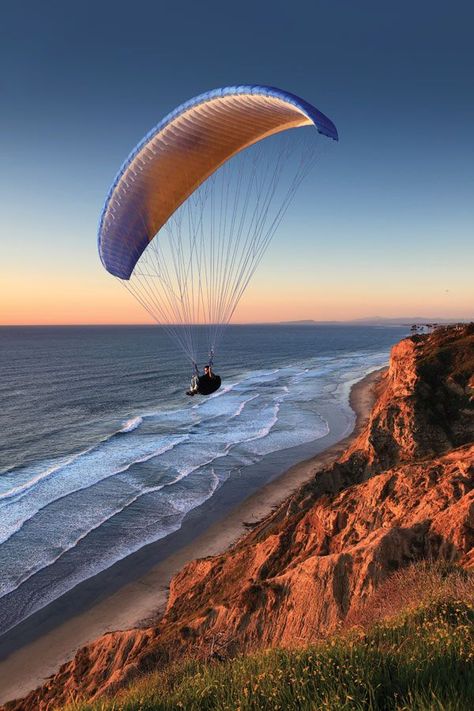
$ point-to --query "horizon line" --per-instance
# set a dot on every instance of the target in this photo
(302, 322)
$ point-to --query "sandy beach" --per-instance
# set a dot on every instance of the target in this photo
(35, 649)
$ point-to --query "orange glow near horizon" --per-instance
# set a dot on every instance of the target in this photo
(70, 300)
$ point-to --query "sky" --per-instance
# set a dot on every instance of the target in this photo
(384, 226)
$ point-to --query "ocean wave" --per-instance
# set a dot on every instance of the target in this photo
(19, 522)
(5, 589)
(16, 491)
(233, 408)
(179, 507)
(39, 477)
(132, 424)
(222, 391)
(267, 428)
(242, 406)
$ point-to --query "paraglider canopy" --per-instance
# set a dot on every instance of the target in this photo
(184, 149)
(195, 205)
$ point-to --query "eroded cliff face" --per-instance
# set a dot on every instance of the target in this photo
(404, 491)
(425, 408)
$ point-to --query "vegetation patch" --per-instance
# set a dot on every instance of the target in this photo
(421, 658)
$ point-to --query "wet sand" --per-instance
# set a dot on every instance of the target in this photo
(38, 646)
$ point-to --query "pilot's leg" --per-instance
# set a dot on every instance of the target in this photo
(194, 386)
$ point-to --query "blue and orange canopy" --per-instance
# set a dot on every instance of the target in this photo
(181, 152)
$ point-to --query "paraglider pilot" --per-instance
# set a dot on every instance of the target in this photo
(204, 384)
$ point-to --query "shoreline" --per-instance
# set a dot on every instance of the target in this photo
(139, 602)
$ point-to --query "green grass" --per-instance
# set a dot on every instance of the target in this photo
(422, 660)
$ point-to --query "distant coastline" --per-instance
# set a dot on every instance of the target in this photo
(380, 321)
(369, 321)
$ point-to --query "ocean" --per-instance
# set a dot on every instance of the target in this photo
(102, 453)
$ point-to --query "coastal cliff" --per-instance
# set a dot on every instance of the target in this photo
(402, 492)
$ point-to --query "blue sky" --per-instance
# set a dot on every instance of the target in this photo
(385, 224)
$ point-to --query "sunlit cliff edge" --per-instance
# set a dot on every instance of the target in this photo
(402, 493)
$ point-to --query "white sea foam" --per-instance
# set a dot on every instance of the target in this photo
(16, 513)
(242, 405)
(268, 426)
(132, 424)
(124, 547)
(15, 491)
(64, 547)
(22, 488)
